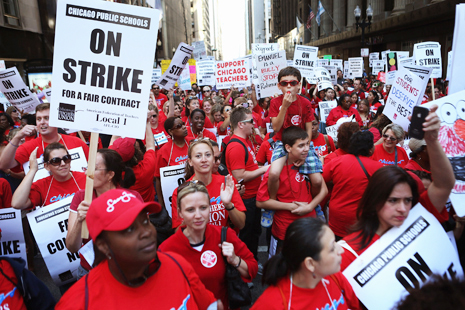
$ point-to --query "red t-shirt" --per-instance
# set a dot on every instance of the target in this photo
(235, 159)
(320, 145)
(361, 94)
(208, 263)
(24, 151)
(260, 111)
(413, 165)
(40, 193)
(5, 194)
(206, 134)
(298, 114)
(335, 154)
(338, 112)
(309, 299)
(218, 214)
(224, 132)
(349, 183)
(168, 284)
(292, 187)
(387, 159)
(144, 172)
(171, 155)
(257, 119)
(376, 134)
(160, 99)
(11, 298)
(265, 152)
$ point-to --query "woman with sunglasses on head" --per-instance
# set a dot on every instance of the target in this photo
(199, 242)
(128, 266)
(199, 166)
(388, 153)
(306, 274)
(61, 183)
(343, 109)
(196, 128)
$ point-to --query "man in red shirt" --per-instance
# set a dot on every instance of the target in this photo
(14, 154)
(243, 166)
(357, 89)
(159, 97)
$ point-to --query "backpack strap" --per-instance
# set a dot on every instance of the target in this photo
(223, 156)
(327, 143)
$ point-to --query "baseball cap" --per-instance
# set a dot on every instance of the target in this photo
(124, 147)
(415, 144)
(116, 210)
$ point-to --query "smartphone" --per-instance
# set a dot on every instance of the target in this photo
(416, 126)
(240, 182)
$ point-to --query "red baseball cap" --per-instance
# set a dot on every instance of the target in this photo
(116, 210)
(124, 147)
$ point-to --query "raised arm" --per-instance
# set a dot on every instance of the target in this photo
(20, 198)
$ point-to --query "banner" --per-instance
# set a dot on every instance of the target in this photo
(268, 67)
(356, 67)
(337, 63)
(305, 58)
(324, 80)
(428, 54)
(12, 236)
(178, 63)
(199, 49)
(156, 75)
(185, 79)
(325, 108)
(170, 177)
(403, 258)
(50, 226)
(452, 139)
(99, 83)
(404, 95)
(15, 90)
(205, 72)
(235, 72)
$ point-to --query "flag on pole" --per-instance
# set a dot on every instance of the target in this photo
(320, 11)
(310, 17)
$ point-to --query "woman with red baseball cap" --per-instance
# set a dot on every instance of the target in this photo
(128, 266)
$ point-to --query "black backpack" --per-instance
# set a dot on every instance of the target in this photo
(224, 146)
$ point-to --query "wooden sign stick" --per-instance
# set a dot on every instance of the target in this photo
(82, 136)
(90, 178)
(432, 88)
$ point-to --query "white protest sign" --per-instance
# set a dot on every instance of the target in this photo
(234, 72)
(12, 243)
(220, 140)
(452, 139)
(404, 95)
(260, 49)
(156, 75)
(185, 79)
(364, 52)
(269, 127)
(98, 81)
(50, 226)
(177, 64)
(48, 94)
(449, 65)
(325, 108)
(15, 90)
(332, 70)
(213, 130)
(332, 131)
(384, 54)
(423, 73)
(305, 58)
(374, 56)
(170, 178)
(347, 73)
(403, 258)
(392, 64)
(199, 49)
(337, 63)
(268, 67)
(323, 77)
(4, 101)
(408, 61)
(78, 163)
(458, 47)
(428, 54)
(377, 66)
(322, 62)
(2, 65)
(290, 63)
(205, 72)
(356, 66)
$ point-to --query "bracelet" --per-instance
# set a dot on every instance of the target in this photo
(13, 144)
(240, 261)
(230, 209)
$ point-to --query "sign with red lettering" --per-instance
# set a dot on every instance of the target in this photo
(234, 72)
(268, 67)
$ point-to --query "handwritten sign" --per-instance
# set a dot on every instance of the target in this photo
(268, 66)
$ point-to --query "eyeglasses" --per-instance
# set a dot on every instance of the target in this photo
(178, 126)
(189, 183)
(390, 138)
(286, 83)
(56, 161)
(13, 111)
(247, 121)
(155, 88)
(155, 115)
(217, 158)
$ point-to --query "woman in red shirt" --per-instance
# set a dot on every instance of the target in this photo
(199, 167)
(306, 275)
(200, 243)
(343, 109)
(157, 127)
(197, 124)
(388, 153)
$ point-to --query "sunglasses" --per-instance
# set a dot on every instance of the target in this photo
(286, 83)
(178, 126)
(155, 115)
(155, 88)
(218, 158)
(390, 138)
(189, 183)
(247, 121)
(56, 161)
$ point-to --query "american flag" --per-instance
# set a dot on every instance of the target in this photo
(310, 17)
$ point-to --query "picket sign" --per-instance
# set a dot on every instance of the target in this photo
(156, 75)
(15, 90)
(428, 54)
(233, 73)
(356, 66)
(403, 258)
(325, 108)
(170, 178)
(12, 243)
(268, 67)
(305, 58)
(324, 79)
(220, 140)
(50, 226)
(177, 65)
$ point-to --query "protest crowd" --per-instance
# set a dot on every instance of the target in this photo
(320, 167)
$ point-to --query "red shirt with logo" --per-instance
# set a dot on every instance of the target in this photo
(208, 263)
(338, 112)
(42, 192)
(387, 159)
(165, 290)
(292, 187)
(298, 114)
(11, 298)
(171, 155)
(218, 214)
(320, 145)
(235, 160)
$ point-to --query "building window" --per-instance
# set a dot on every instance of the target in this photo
(10, 12)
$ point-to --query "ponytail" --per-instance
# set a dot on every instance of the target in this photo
(275, 268)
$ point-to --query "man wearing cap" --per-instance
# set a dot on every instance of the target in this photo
(129, 273)
(419, 159)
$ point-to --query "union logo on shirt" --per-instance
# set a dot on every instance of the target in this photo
(208, 259)
(295, 120)
(299, 178)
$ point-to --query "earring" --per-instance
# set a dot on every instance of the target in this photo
(109, 257)
(313, 275)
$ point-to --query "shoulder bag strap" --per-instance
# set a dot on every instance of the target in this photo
(363, 167)
(86, 293)
(395, 157)
(182, 270)
(327, 143)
